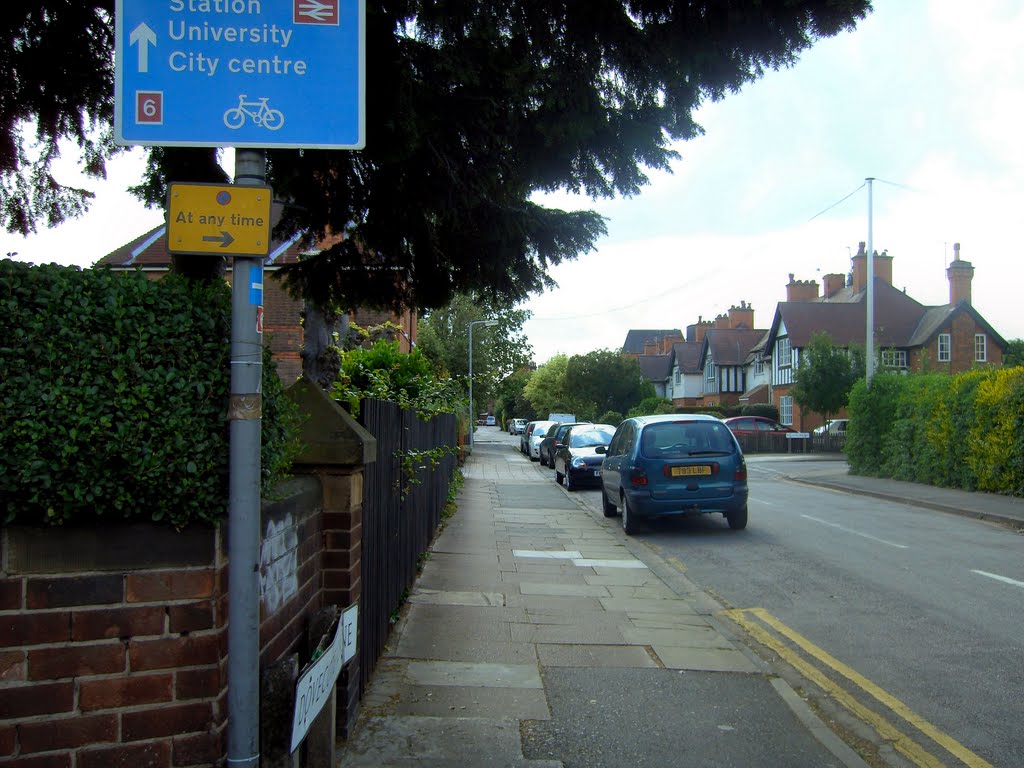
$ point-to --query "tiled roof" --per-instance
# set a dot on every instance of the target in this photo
(655, 367)
(149, 250)
(687, 356)
(900, 321)
(731, 346)
(636, 339)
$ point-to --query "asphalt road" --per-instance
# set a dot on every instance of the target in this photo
(921, 610)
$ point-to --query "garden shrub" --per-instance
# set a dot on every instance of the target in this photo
(767, 410)
(114, 395)
(872, 416)
(964, 431)
(384, 372)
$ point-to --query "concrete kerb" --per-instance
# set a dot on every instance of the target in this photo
(901, 498)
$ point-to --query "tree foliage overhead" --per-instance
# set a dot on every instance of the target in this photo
(56, 82)
(473, 107)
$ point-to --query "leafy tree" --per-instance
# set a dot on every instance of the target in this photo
(546, 388)
(1014, 354)
(825, 376)
(498, 351)
(652, 405)
(472, 108)
(511, 396)
(604, 380)
(443, 337)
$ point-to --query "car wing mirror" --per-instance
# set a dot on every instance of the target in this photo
(601, 449)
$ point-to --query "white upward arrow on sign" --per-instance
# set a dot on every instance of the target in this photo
(145, 37)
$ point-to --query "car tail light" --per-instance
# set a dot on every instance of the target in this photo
(741, 472)
(638, 477)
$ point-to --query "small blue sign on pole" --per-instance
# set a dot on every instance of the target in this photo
(256, 285)
(240, 73)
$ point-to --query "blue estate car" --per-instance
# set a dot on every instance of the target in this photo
(673, 464)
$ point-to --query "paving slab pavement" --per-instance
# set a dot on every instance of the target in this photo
(539, 636)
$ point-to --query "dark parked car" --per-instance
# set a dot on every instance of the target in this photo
(667, 465)
(554, 436)
(576, 460)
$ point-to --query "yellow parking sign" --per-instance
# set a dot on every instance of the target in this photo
(218, 218)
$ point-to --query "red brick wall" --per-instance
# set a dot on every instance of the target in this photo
(112, 669)
(113, 652)
(282, 328)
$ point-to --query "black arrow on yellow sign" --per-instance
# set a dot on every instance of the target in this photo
(224, 238)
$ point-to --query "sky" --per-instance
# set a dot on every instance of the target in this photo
(925, 96)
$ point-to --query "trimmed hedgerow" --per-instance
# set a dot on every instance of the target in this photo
(964, 431)
(113, 398)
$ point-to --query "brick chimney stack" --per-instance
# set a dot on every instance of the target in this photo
(741, 316)
(834, 283)
(882, 267)
(801, 290)
(696, 331)
(960, 274)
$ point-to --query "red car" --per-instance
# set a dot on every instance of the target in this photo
(755, 425)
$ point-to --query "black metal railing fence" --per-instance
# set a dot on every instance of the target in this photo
(404, 493)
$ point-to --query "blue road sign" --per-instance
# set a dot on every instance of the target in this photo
(240, 73)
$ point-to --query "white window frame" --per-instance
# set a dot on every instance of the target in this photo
(980, 348)
(786, 410)
(945, 340)
(709, 372)
(758, 365)
(894, 358)
(785, 350)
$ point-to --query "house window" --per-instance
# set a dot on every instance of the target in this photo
(785, 352)
(944, 344)
(709, 373)
(980, 348)
(678, 376)
(786, 410)
(758, 365)
(894, 358)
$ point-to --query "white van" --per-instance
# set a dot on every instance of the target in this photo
(562, 418)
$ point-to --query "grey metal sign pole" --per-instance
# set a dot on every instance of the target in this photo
(245, 412)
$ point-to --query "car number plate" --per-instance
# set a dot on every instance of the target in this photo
(703, 469)
(597, 473)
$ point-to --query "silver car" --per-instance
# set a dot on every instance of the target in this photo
(540, 429)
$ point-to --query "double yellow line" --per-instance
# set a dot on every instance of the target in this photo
(756, 622)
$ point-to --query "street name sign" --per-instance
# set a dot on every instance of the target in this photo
(218, 218)
(240, 73)
(317, 680)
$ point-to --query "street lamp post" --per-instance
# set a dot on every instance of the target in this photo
(472, 413)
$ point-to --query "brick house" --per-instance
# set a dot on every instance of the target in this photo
(725, 357)
(908, 336)
(282, 313)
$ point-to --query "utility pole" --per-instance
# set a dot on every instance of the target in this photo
(869, 344)
(245, 412)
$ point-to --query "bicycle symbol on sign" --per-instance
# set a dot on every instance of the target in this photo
(260, 112)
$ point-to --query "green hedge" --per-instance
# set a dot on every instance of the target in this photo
(113, 398)
(964, 431)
